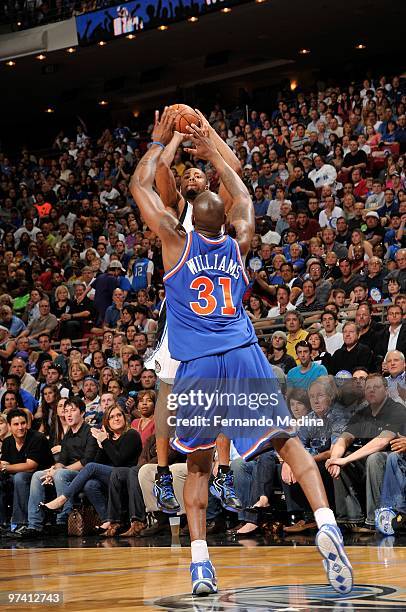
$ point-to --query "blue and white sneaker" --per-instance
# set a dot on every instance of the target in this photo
(384, 520)
(204, 580)
(222, 487)
(164, 493)
(338, 568)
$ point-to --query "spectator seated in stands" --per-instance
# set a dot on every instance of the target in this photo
(353, 352)
(46, 322)
(145, 406)
(305, 373)
(22, 453)
(78, 448)
(359, 472)
(278, 353)
(253, 482)
(119, 446)
(26, 400)
(294, 326)
(127, 479)
(394, 366)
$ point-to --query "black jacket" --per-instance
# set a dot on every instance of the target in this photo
(383, 340)
(360, 355)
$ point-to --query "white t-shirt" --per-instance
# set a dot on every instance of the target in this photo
(106, 197)
(324, 221)
(334, 342)
(326, 175)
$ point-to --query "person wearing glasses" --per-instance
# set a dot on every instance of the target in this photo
(119, 446)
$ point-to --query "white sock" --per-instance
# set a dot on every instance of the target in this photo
(324, 516)
(200, 552)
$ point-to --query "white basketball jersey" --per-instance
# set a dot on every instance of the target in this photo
(161, 360)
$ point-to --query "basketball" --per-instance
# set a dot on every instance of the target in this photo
(186, 116)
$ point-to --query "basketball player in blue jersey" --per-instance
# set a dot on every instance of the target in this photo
(204, 284)
(180, 203)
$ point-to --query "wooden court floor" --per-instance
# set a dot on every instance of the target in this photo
(259, 578)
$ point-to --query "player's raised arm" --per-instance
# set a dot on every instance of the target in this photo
(226, 153)
(241, 215)
(164, 179)
(153, 211)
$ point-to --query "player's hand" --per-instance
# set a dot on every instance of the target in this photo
(180, 137)
(163, 128)
(203, 146)
(204, 123)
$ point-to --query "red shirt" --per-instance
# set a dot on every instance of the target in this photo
(310, 230)
(360, 189)
(145, 433)
(43, 209)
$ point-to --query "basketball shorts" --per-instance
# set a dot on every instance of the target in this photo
(161, 361)
(234, 393)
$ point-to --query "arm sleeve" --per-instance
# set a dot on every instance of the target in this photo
(37, 449)
(5, 450)
(129, 450)
(53, 323)
(63, 455)
(90, 450)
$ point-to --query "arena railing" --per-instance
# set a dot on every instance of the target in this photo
(264, 328)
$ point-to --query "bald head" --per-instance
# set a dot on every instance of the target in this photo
(208, 212)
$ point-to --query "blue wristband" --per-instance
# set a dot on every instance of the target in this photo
(158, 143)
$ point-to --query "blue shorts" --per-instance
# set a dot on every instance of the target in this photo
(234, 393)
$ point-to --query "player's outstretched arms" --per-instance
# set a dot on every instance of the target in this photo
(241, 214)
(150, 204)
(226, 153)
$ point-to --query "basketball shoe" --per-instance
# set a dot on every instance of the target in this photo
(388, 521)
(222, 487)
(338, 568)
(164, 493)
(204, 580)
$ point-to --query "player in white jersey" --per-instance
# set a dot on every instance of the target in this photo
(193, 182)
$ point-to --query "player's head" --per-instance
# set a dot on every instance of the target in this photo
(193, 182)
(208, 212)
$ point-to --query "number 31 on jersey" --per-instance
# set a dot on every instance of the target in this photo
(207, 302)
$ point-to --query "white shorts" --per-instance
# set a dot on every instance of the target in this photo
(161, 361)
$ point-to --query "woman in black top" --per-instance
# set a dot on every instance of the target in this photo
(46, 410)
(319, 354)
(61, 303)
(58, 428)
(119, 446)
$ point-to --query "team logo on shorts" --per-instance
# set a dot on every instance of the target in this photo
(157, 366)
(290, 597)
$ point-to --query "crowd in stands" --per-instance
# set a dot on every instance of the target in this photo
(31, 13)
(81, 289)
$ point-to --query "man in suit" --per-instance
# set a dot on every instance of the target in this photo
(392, 337)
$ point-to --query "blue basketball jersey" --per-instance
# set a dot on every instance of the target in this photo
(204, 299)
(140, 268)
